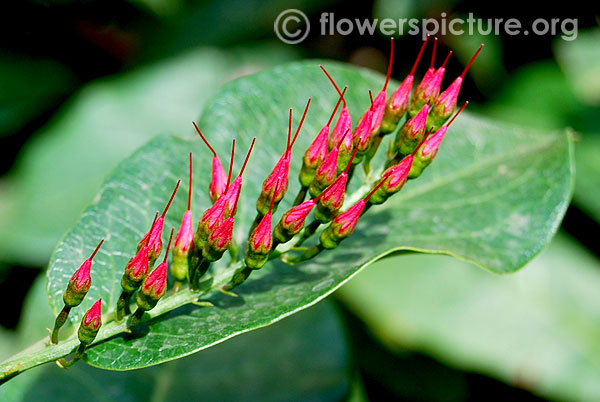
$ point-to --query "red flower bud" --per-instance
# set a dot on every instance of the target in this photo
(155, 284)
(93, 318)
(260, 241)
(209, 221)
(232, 194)
(412, 132)
(343, 225)
(218, 181)
(185, 235)
(428, 150)
(153, 237)
(293, 220)
(80, 282)
(90, 324)
(362, 134)
(332, 198)
(344, 122)
(327, 172)
(446, 102)
(429, 88)
(317, 151)
(136, 270)
(219, 240)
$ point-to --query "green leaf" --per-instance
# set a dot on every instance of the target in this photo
(580, 59)
(304, 358)
(494, 196)
(103, 123)
(537, 329)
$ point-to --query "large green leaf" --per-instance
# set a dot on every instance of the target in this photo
(251, 367)
(494, 196)
(537, 329)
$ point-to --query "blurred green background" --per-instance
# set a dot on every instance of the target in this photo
(85, 82)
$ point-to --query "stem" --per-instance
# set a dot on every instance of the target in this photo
(301, 196)
(308, 254)
(63, 363)
(259, 216)
(123, 308)
(350, 174)
(61, 318)
(238, 278)
(308, 232)
(43, 352)
(136, 318)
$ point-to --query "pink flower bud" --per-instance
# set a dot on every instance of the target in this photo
(137, 267)
(293, 220)
(332, 198)
(90, 324)
(155, 284)
(344, 122)
(80, 282)
(425, 153)
(218, 181)
(327, 172)
(317, 151)
(93, 317)
(260, 241)
(412, 132)
(345, 222)
(185, 235)
(232, 194)
(154, 237)
(221, 238)
(446, 102)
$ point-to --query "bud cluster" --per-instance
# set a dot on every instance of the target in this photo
(327, 169)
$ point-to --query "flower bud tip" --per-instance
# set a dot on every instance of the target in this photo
(171, 199)
(414, 67)
(96, 250)
(389, 71)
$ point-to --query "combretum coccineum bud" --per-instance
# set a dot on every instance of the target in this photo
(326, 171)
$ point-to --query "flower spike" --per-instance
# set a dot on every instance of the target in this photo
(217, 182)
